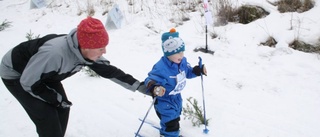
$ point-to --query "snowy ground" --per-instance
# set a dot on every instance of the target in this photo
(250, 90)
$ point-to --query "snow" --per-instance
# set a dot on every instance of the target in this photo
(250, 91)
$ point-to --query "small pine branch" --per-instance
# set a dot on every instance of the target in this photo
(30, 36)
(5, 24)
(194, 113)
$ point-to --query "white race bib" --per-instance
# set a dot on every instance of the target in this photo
(181, 83)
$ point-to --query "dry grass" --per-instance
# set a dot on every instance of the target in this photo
(294, 5)
(248, 13)
(305, 47)
(271, 42)
(225, 12)
(245, 14)
(90, 9)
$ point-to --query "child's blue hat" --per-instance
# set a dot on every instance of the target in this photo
(171, 43)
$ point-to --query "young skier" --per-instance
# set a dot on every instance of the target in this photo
(167, 79)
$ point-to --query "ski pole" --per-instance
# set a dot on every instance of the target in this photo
(154, 100)
(203, 100)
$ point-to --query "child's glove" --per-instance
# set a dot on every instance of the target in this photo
(197, 70)
(159, 91)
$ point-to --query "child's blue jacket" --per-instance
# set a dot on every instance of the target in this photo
(164, 73)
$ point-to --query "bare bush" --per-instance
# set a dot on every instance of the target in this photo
(90, 8)
(305, 47)
(294, 5)
(248, 13)
(213, 35)
(80, 10)
(225, 12)
(270, 42)
(106, 5)
(308, 4)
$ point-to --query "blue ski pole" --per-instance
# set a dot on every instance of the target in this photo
(204, 108)
(154, 100)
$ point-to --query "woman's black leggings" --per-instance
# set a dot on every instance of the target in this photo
(50, 121)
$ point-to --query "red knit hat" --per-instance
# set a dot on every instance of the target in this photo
(92, 34)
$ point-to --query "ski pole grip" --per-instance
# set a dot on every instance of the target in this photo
(200, 62)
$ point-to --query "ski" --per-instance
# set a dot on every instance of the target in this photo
(138, 135)
(150, 123)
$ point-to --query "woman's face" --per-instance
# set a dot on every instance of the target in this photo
(93, 54)
(176, 58)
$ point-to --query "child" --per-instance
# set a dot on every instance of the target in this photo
(167, 79)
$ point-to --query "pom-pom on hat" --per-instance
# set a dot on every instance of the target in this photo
(92, 34)
(172, 43)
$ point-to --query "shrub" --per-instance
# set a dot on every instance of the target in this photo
(90, 9)
(225, 12)
(5, 24)
(194, 113)
(271, 42)
(294, 5)
(245, 14)
(30, 36)
(213, 35)
(248, 13)
(302, 46)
